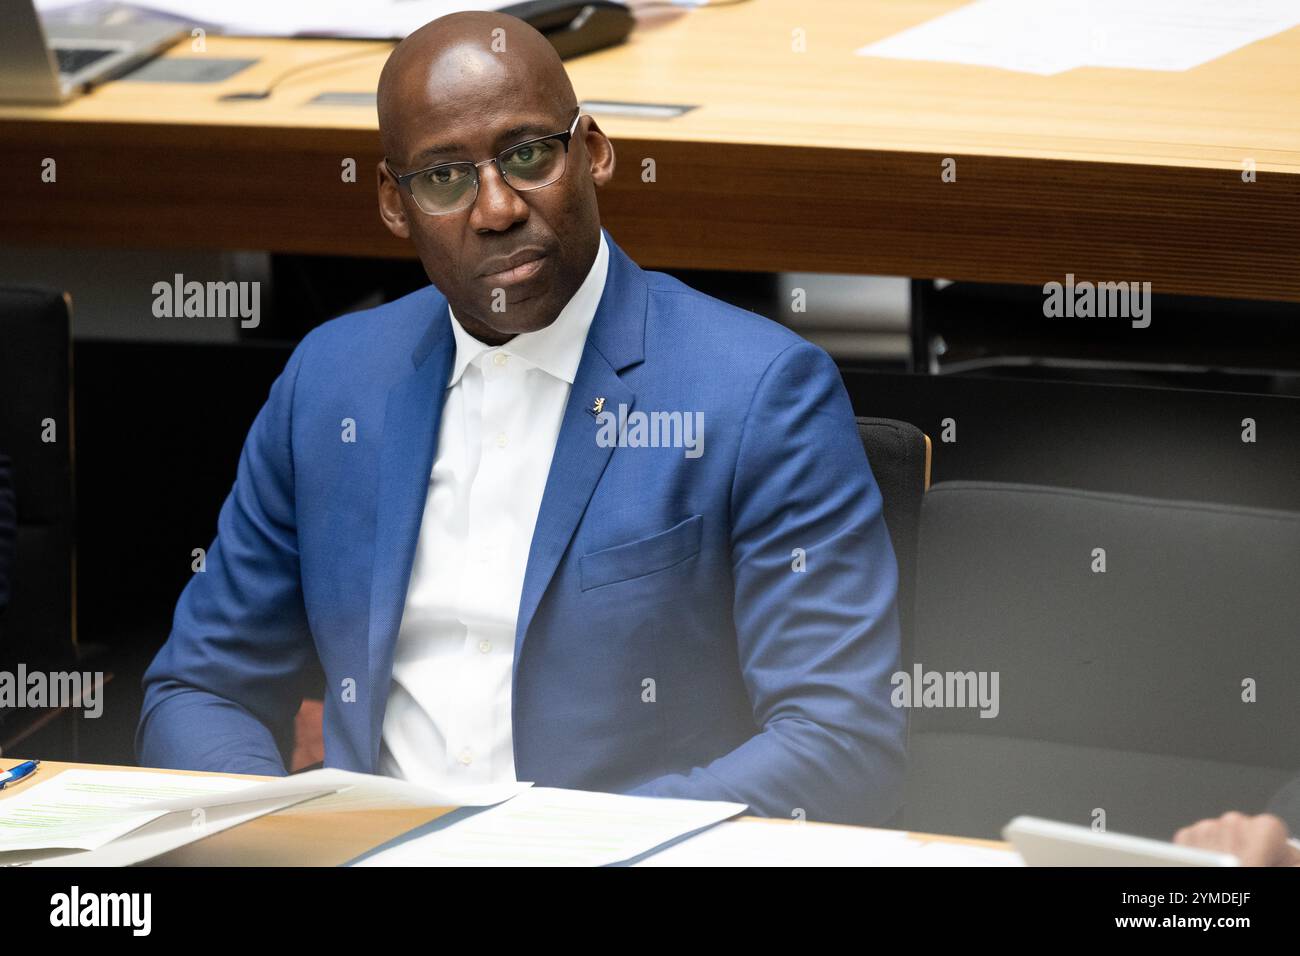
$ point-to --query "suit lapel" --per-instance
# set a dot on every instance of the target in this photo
(412, 420)
(615, 341)
(576, 468)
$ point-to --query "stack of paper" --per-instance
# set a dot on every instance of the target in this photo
(550, 827)
(117, 818)
(86, 809)
(547, 827)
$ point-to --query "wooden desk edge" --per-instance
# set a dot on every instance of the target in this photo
(395, 819)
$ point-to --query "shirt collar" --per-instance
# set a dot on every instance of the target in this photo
(556, 349)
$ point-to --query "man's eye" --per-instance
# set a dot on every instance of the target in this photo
(529, 155)
(444, 176)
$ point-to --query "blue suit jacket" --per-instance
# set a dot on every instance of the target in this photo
(666, 644)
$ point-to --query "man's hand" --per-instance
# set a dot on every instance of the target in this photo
(1255, 841)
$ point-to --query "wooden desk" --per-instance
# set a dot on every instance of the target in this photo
(292, 837)
(817, 160)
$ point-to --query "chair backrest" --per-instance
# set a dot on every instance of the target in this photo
(899, 455)
(1146, 651)
(36, 405)
(8, 530)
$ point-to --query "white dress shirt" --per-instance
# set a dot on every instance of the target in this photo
(448, 714)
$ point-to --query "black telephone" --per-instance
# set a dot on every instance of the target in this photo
(576, 28)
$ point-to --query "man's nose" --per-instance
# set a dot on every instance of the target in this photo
(497, 206)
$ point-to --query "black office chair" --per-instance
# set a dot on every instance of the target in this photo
(999, 331)
(1120, 690)
(8, 532)
(899, 455)
(35, 402)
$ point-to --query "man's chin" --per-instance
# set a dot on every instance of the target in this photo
(528, 313)
(538, 314)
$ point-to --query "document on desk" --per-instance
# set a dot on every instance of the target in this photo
(332, 790)
(118, 818)
(1047, 37)
(1030, 37)
(86, 809)
(551, 827)
(788, 843)
(160, 835)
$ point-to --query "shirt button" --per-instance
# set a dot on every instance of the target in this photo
(501, 439)
(466, 758)
(499, 359)
(484, 646)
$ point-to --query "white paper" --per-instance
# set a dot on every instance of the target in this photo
(1050, 36)
(363, 791)
(1032, 37)
(786, 843)
(1181, 34)
(338, 790)
(166, 833)
(550, 827)
(85, 809)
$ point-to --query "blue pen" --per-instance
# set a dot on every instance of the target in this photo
(18, 772)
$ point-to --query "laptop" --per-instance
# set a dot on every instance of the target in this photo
(1048, 843)
(55, 61)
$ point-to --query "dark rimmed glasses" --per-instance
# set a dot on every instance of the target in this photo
(451, 187)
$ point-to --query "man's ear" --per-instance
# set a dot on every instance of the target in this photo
(391, 210)
(600, 151)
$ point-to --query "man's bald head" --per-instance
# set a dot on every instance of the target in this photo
(463, 89)
(454, 56)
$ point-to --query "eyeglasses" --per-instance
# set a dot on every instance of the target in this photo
(451, 187)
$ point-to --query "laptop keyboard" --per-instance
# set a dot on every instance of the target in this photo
(75, 59)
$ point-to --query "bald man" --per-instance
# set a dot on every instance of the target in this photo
(491, 512)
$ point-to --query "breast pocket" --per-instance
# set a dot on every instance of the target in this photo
(643, 556)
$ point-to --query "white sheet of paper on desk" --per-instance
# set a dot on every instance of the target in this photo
(161, 835)
(1050, 36)
(379, 19)
(1031, 37)
(785, 843)
(363, 791)
(550, 827)
(331, 789)
(1181, 34)
(85, 809)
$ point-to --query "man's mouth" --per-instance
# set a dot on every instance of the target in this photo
(523, 267)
